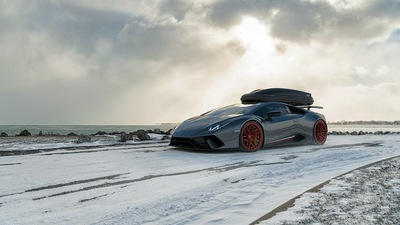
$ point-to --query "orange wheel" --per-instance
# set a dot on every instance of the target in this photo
(251, 137)
(320, 132)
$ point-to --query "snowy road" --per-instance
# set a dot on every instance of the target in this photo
(157, 184)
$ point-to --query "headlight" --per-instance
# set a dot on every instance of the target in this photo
(216, 127)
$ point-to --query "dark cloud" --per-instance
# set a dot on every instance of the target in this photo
(177, 8)
(73, 26)
(303, 21)
(92, 60)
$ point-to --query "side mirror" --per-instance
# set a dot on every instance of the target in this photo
(272, 114)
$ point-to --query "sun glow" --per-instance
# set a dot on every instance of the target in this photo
(253, 34)
(260, 59)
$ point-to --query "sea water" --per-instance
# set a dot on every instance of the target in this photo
(13, 130)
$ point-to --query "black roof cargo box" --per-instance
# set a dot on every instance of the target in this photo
(289, 96)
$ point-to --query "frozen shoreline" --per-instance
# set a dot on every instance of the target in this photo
(20, 145)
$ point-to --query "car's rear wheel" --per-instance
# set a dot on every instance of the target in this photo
(320, 132)
(251, 137)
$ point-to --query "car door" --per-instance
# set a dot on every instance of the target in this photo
(279, 123)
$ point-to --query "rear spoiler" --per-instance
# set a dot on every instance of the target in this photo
(308, 107)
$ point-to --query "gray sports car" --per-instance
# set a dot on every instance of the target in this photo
(256, 123)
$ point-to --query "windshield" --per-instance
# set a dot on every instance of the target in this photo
(237, 109)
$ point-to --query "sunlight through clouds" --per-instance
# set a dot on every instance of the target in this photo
(142, 62)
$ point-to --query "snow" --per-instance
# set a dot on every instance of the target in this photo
(366, 196)
(153, 183)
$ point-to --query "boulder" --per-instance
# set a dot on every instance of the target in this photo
(3, 134)
(157, 131)
(84, 138)
(25, 133)
(72, 134)
(142, 135)
(101, 133)
(125, 137)
(166, 137)
(354, 133)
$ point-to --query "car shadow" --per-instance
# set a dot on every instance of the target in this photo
(206, 151)
(224, 151)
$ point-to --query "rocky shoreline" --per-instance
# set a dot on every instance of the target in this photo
(362, 133)
(140, 134)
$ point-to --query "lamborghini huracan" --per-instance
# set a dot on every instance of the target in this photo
(265, 118)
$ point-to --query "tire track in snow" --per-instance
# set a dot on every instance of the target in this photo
(224, 168)
(111, 177)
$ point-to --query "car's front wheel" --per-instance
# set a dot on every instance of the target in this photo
(251, 137)
(320, 132)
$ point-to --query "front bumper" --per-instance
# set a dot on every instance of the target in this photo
(207, 142)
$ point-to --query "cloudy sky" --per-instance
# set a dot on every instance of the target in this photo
(153, 61)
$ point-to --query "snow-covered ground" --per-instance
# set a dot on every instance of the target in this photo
(369, 195)
(152, 183)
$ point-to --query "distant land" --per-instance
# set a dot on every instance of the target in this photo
(370, 122)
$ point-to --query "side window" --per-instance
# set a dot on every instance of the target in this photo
(295, 110)
(259, 113)
(263, 112)
(278, 108)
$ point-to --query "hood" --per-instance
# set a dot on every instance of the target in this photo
(200, 124)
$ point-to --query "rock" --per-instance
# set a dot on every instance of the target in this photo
(125, 137)
(3, 134)
(72, 134)
(25, 133)
(354, 133)
(168, 132)
(157, 131)
(101, 133)
(142, 135)
(83, 138)
(40, 133)
(361, 133)
(166, 137)
(378, 133)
